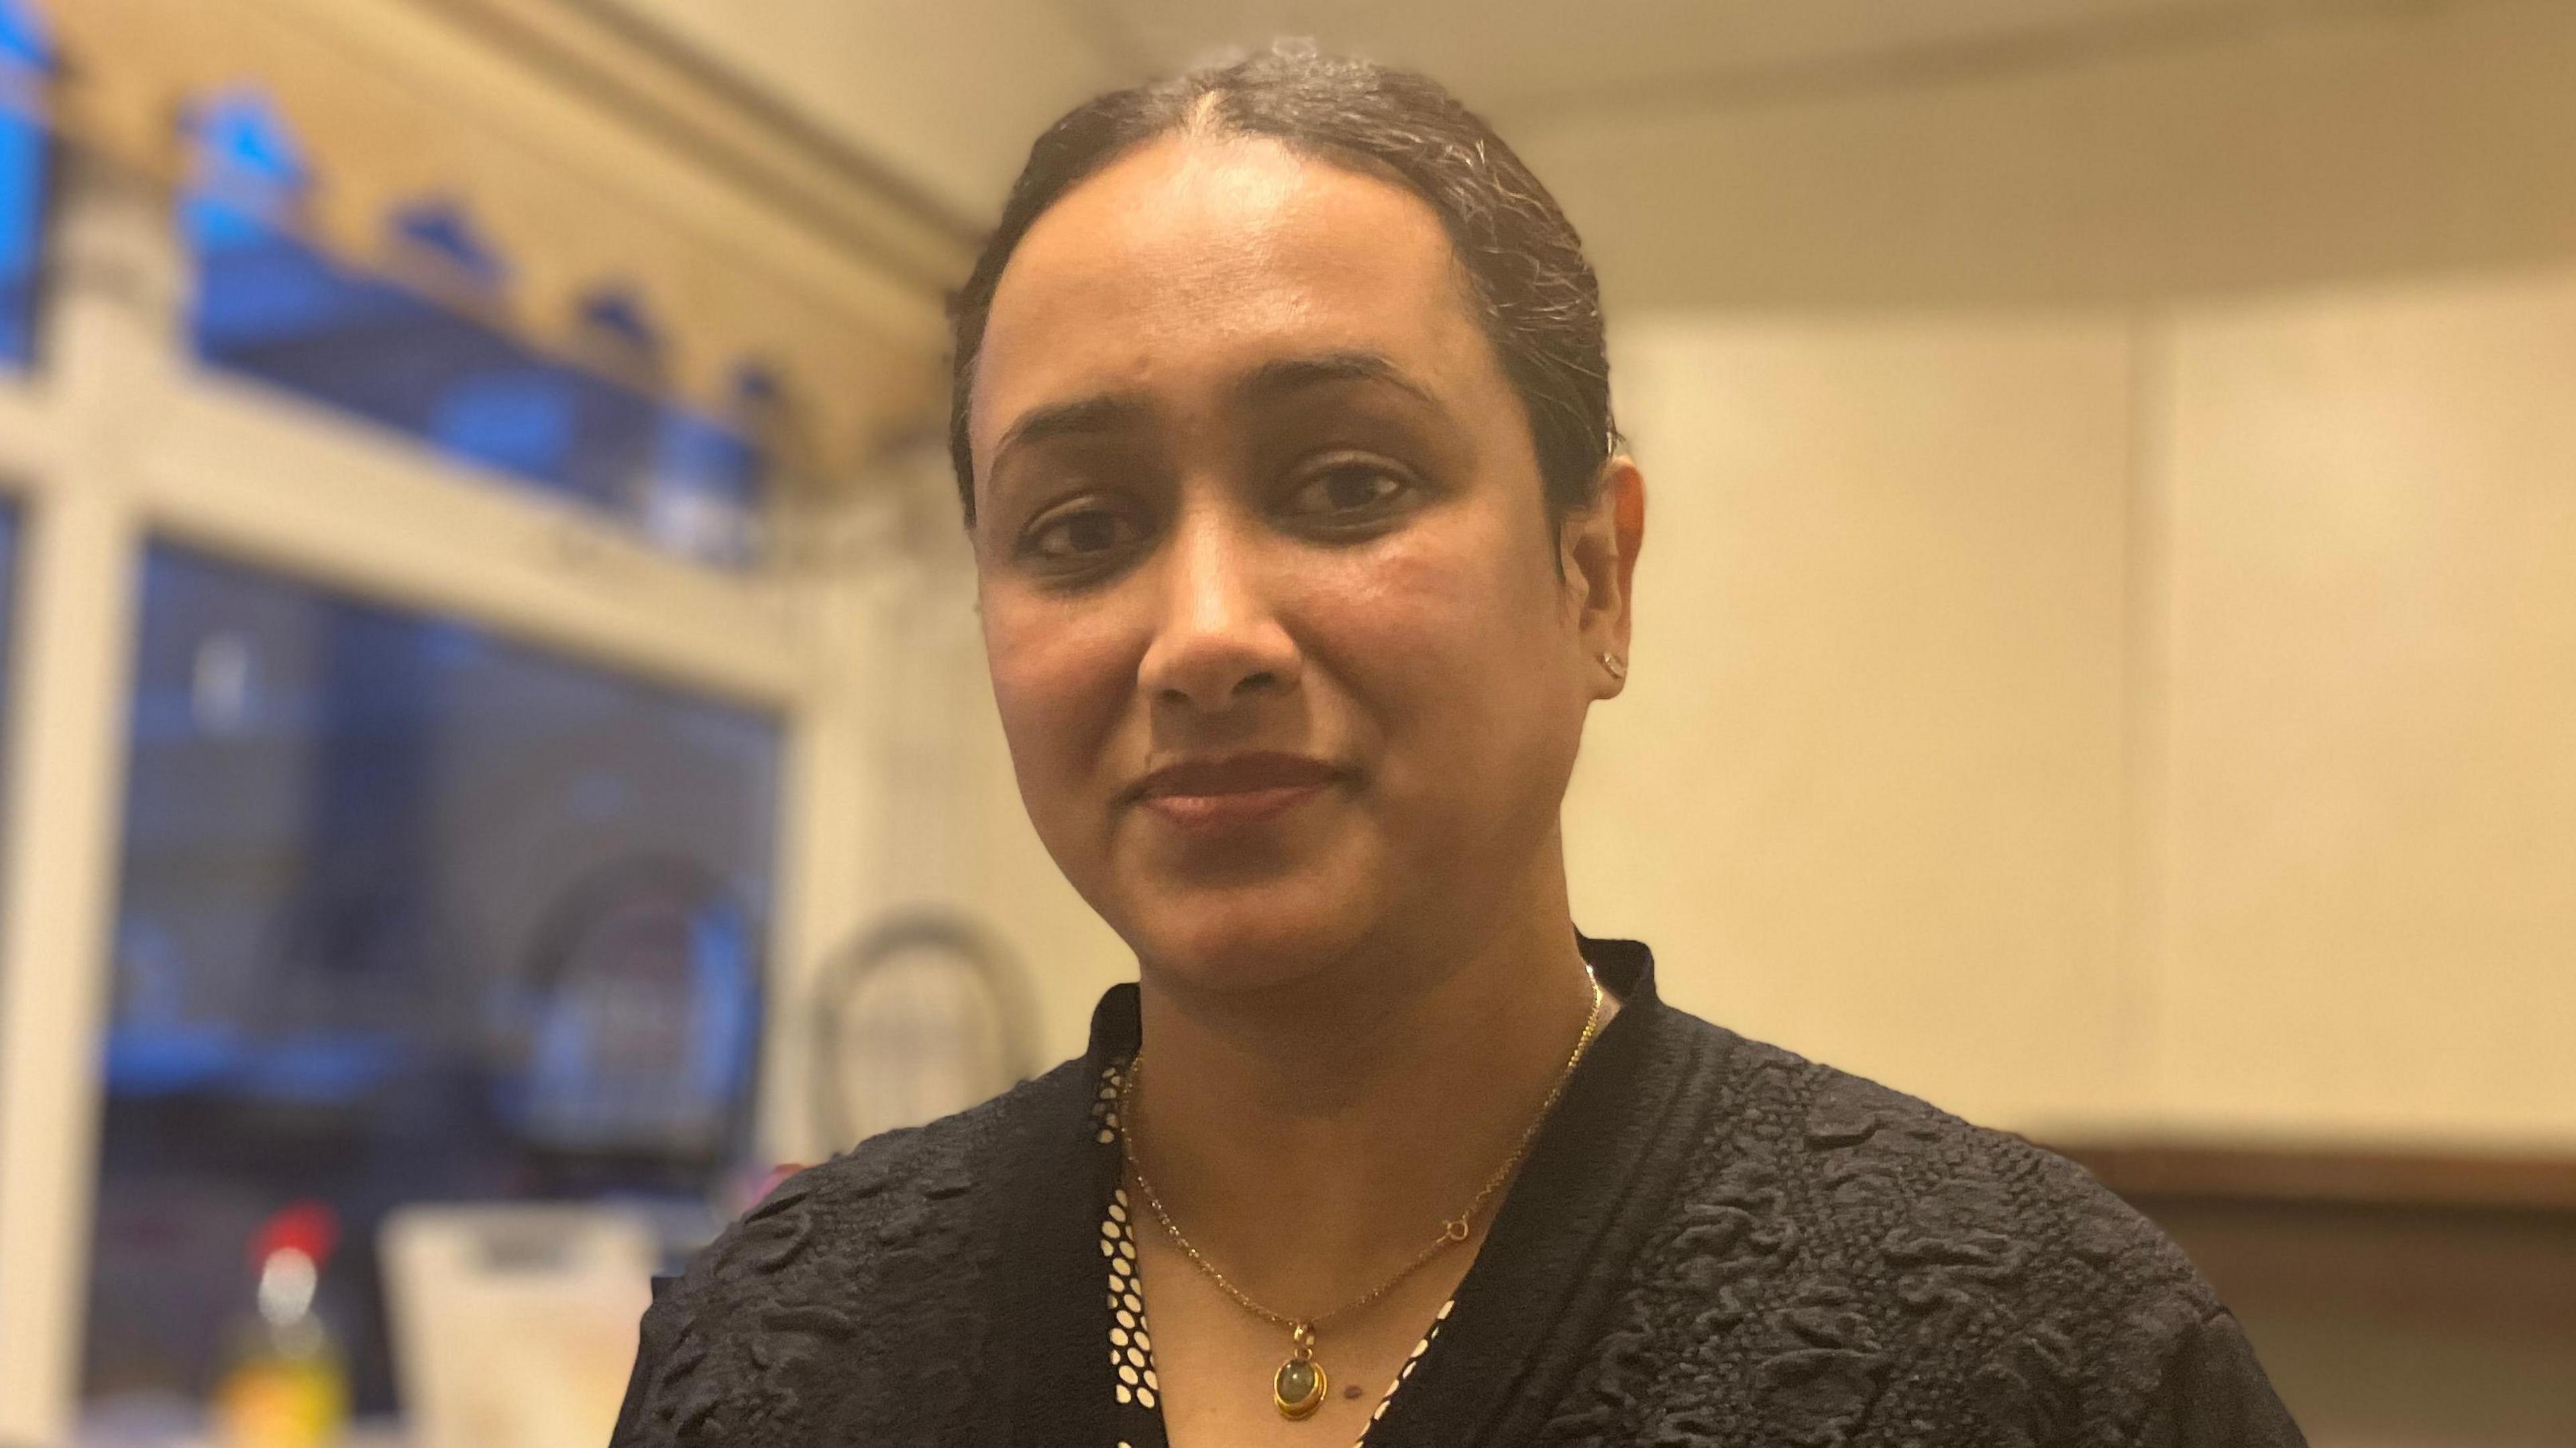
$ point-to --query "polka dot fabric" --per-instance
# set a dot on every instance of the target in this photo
(1131, 1347)
(1131, 1344)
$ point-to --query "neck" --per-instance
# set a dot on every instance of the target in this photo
(1309, 1143)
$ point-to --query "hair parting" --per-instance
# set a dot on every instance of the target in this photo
(1520, 258)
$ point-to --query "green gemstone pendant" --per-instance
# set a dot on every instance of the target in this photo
(1298, 1387)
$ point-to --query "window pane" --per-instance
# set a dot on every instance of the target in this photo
(26, 59)
(407, 913)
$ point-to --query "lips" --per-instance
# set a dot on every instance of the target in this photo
(1243, 789)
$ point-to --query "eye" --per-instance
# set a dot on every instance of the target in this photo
(1078, 535)
(1348, 487)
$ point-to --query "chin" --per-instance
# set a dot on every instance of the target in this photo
(1246, 938)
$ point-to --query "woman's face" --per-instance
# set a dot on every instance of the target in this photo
(1272, 602)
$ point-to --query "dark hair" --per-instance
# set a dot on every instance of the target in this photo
(1522, 261)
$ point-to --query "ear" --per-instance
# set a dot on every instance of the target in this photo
(1599, 548)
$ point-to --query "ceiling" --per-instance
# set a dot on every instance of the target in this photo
(951, 93)
(1756, 153)
(1517, 59)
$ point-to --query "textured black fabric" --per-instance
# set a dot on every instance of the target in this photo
(1713, 1242)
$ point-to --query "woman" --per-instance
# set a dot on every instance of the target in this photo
(1282, 431)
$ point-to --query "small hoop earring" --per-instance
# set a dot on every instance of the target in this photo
(1617, 666)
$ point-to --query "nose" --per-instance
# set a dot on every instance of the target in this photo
(1218, 640)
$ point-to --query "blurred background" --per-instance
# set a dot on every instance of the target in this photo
(497, 748)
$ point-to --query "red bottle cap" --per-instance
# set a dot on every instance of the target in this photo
(308, 1227)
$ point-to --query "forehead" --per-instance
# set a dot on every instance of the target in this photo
(1192, 262)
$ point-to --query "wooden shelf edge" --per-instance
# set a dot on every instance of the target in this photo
(2171, 1171)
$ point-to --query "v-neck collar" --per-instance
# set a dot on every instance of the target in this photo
(1594, 1183)
(1541, 1280)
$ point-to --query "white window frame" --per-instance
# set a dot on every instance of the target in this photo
(118, 438)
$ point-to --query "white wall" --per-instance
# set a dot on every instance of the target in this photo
(2370, 817)
(2113, 722)
(1864, 794)
(2110, 535)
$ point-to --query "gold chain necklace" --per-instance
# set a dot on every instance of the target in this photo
(1299, 1385)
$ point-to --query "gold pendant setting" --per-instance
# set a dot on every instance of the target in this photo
(1299, 1385)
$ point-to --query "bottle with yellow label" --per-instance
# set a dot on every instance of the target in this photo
(286, 1384)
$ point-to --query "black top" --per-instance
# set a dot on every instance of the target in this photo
(1712, 1242)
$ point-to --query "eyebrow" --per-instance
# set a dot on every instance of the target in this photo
(1269, 382)
(1274, 379)
(1106, 412)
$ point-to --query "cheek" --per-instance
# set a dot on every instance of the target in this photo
(1061, 677)
(1449, 637)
